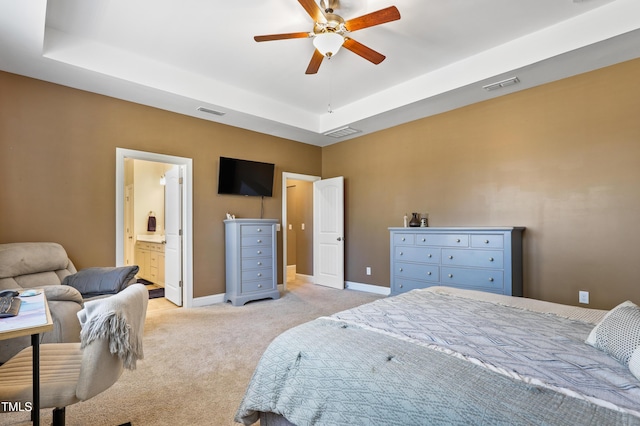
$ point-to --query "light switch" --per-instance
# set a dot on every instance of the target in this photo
(302, 226)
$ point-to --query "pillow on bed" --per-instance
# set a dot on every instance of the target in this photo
(618, 335)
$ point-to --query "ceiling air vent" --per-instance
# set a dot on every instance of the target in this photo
(342, 132)
(504, 83)
(211, 111)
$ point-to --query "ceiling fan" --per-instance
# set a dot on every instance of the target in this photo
(330, 32)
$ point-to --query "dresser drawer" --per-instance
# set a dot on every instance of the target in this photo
(402, 285)
(257, 274)
(417, 254)
(476, 258)
(417, 271)
(404, 239)
(253, 286)
(256, 240)
(443, 240)
(255, 230)
(487, 241)
(256, 252)
(256, 263)
(482, 279)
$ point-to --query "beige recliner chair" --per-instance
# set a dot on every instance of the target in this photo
(112, 331)
(47, 266)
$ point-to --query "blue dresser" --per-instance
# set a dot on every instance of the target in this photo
(250, 254)
(486, 258)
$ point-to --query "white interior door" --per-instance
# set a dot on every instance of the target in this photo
(173, 236)
(328, 232)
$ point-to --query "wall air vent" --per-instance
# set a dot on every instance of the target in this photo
(211, 111)
(342, 132)
(500, 84)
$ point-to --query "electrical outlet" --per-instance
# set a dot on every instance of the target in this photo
(583, 297)
(368, 270)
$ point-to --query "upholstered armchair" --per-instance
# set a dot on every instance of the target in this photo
(111, 340)
(47, 267)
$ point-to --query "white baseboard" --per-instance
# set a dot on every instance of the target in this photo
(368, 288)
(208, 300)
(305, 278)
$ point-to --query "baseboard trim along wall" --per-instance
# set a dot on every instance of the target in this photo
(369, 288)
(305, 278)
(208, 300)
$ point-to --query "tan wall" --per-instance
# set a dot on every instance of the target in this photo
(562, 159)
(57, 167)
(300, 241)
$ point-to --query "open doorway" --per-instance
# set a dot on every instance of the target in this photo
(177, 280)
(297, 219)
(145, 225)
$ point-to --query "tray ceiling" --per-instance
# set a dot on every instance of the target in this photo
(180, 56)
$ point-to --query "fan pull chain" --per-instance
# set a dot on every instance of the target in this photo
(330, 74)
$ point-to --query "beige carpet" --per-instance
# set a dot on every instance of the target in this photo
(198, 361)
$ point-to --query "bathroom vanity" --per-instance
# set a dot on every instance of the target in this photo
(149, 253)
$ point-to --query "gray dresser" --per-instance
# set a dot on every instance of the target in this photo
(250, 252)
(486, 259)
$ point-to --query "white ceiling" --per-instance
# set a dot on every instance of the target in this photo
(181, 55)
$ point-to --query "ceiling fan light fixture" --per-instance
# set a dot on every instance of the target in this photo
(328, 43)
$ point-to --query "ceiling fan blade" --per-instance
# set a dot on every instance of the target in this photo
(286, 36)
(362, 50)
(313, 10)
(388, 14)
(314, 65)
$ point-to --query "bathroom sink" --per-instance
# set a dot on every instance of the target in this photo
(151, 238)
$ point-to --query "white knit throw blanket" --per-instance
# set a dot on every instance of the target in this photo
(120, 320)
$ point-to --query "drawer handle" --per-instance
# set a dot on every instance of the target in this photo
(259, 274)
(402, 238)
(259, 252)
(424, 239)
(486, 241)
(491, 279)
(491, 259)
(401, 253)
(400, 286)
(259, 229)
(429, 255)
(450, 257)
(259, 285)
(428, 273)
(457, 240)
(259, 241)
(450, 275)
(400, 269)
(259, 263)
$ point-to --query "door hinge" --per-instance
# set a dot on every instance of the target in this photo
(180, 232)
(180, 180)
(180, 284)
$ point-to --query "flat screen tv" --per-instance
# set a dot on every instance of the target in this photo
(244, 177)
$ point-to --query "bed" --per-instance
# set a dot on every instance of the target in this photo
(445, 356)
